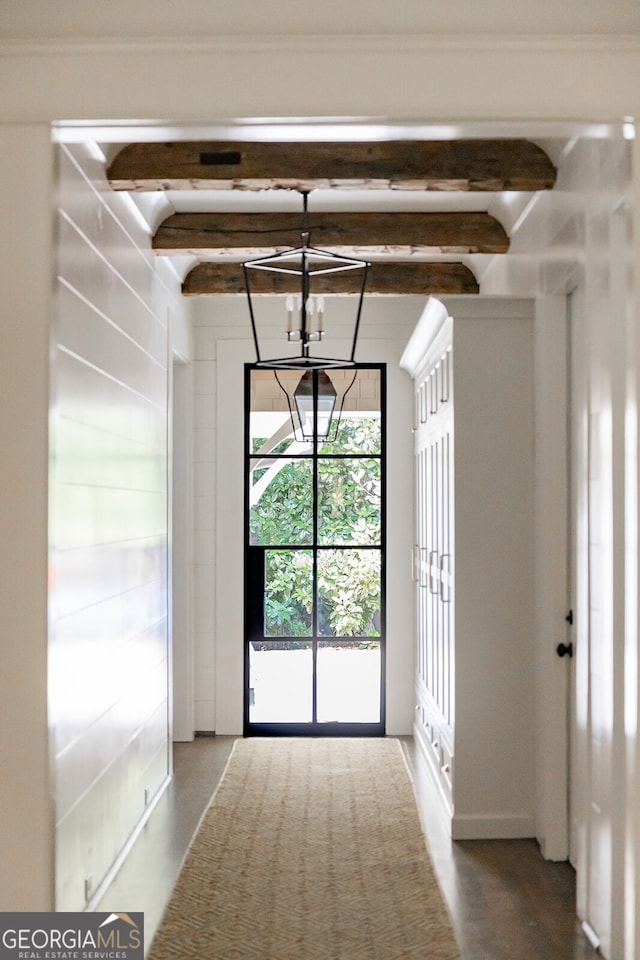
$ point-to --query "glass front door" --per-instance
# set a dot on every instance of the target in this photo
(314, 572)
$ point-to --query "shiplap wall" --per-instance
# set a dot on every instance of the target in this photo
(109, 526)
(591, 371)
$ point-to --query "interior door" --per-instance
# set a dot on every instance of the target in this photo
(314, 571)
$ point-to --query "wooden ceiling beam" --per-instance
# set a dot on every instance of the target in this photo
(385, 278)
(355, 234)
(478, 165)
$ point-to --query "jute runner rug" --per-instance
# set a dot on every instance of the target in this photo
(311, 849)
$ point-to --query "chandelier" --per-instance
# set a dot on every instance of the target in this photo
(306, 276)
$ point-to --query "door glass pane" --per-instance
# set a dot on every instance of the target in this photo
(288, 593)
(349, 501)
(281, 682)
(270, 426)
(349, 681)
(360, 426)
(348, 593)
(281, 504)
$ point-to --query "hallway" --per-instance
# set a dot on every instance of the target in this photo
(507, 903)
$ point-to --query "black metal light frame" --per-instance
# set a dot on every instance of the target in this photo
(306, 263)
(314, 387)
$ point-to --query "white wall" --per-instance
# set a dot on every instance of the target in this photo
(632, 660)
(602, 315)
(182, 550)
(223, 345)
(494, 464)
(26, 852)
(474, 727)
(578, 241)
(109, 521)
(552, 595)
(571, 64)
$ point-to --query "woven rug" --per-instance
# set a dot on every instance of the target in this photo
(311, 849)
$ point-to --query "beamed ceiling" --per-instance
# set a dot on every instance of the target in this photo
(415, 209)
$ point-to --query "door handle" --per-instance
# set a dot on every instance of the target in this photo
(564, 649)
(444, 599)
(423, 575)
(431, 577)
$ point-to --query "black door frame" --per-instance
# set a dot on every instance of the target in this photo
(253, 599)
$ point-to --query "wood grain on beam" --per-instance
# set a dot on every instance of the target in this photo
(505, 164)
(358, 234)
(399, 278)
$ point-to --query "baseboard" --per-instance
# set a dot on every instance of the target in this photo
(591, 934)
(432, 799)
(94, 901)
(430, 795)
(492, 827)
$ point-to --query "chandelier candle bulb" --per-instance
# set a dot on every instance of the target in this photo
(320, 315)
(289, 308)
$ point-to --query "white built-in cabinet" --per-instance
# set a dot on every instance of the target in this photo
(472, 367)
(433, 557)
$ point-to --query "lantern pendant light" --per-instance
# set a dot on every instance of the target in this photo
(315, 401)
(304, 274)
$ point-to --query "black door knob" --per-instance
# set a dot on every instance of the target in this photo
(564, 649)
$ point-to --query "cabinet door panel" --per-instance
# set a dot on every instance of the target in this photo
(434, 509)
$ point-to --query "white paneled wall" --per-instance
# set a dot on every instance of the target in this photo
(602, 315)
(594, 179)
(577, 244)
(204, 448)
(109, 526)
(471, 359)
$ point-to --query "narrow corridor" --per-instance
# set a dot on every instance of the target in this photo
(507, 903)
